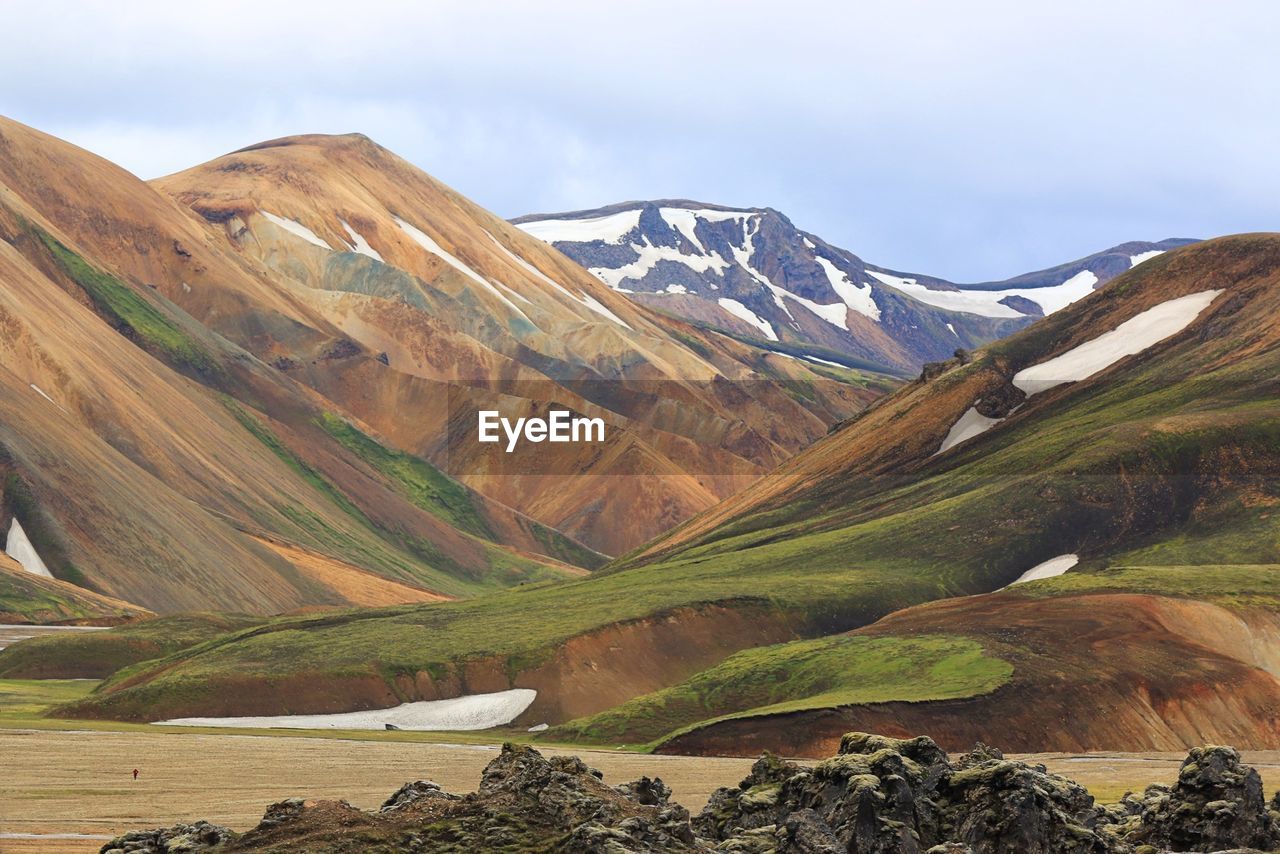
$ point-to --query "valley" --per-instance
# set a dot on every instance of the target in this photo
(246, 468)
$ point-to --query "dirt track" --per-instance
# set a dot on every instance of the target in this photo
(80, 782)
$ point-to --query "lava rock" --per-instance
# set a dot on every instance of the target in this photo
(884, 795)
(1216, 804)
(179, 839)
(413, 793)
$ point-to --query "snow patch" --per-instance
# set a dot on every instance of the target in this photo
(610, 228)
(475, 711)
(601, 309)
(741, 312)
(426, 242)
(1050, 568)
(18, 547)
(532, 270)
(589, 301)
(722, 216)
(953, 330)
(297, 229)
(358, 243)
(1135, 260)
(684, 221)
(856, 297)
(972, 423)
(1133, 336)
(816, 360)
(40, 392)
(836, 313)
(677, 289)
(650, 255)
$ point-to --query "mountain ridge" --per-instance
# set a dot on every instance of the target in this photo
(773, 282)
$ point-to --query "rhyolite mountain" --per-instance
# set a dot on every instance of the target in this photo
(751, 272)
(1069, 541)
(228, 389)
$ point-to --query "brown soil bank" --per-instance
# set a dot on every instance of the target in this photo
(1092, 672)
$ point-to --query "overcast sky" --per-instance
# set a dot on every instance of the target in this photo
(967, 140)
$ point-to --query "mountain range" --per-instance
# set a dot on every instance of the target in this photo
(1067, 541)
(234, 389)
(753, 274)
(228, 389)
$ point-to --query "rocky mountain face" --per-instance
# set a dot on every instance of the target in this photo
(754, 274)
(876, 796)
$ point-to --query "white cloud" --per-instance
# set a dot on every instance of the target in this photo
(972, 141)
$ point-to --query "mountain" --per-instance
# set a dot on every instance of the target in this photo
(443, 305)
(1068, 541)
(149, 458)
(202, 408)
(752, 273)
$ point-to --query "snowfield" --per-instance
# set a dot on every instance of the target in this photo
(741, 312)
(297, 229)
(475, 711)
(987, 303)
(1051, 567)
(358, 243)
(18, 547)
(610, 228)
(1135, 260)
(972, 423)
(1133, 336)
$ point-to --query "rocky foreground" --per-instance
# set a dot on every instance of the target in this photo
(876, 796)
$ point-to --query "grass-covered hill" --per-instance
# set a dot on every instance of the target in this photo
(1164, 460)
(96, 655)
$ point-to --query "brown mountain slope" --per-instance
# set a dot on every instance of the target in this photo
(158, 454)
(454, 296)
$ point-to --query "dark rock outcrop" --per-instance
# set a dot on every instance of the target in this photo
(878, 795)
(1001, 402)
(179, 839)
(882, 796)
(413, 793)
(1217, 804)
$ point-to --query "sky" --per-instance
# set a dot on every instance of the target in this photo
(972, 141)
